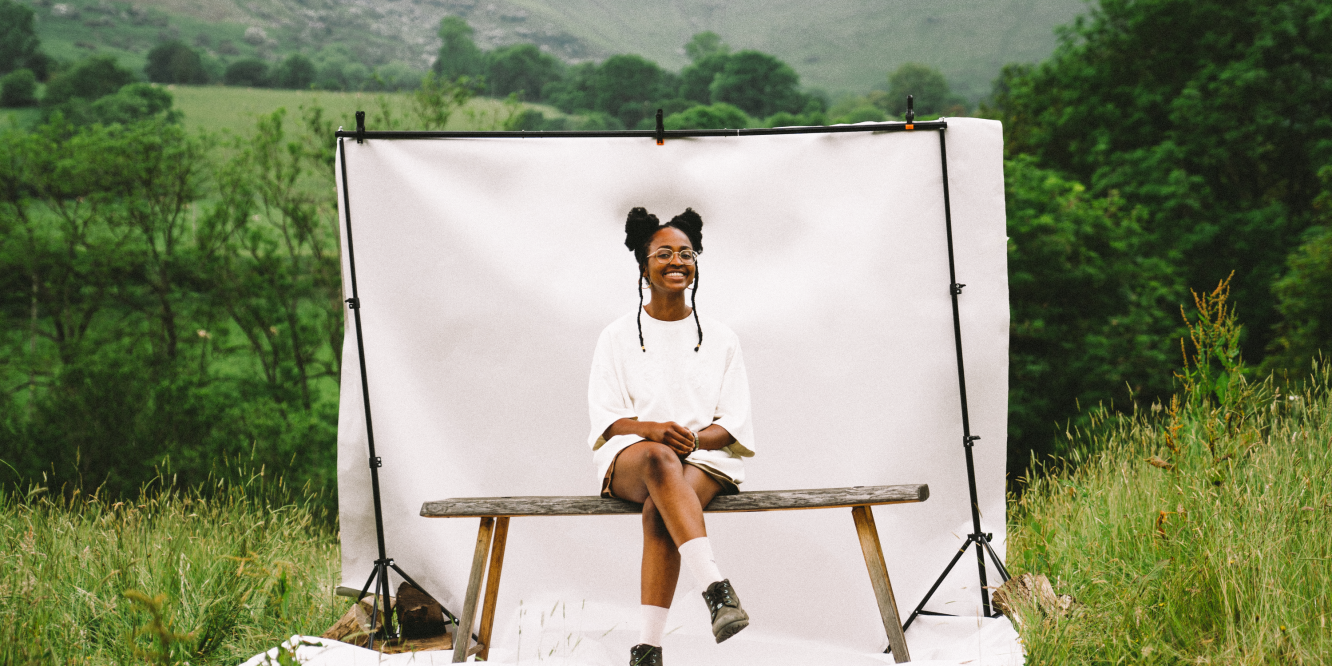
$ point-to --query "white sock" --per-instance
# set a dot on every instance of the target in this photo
(654, 624)
(697, 555)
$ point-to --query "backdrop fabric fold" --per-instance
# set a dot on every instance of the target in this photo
(487, 267)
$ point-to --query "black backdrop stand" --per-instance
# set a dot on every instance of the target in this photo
(379, 575)
(980, 539)
(977, 537)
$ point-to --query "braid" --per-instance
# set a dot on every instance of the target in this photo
(641, 344)
(693, 297)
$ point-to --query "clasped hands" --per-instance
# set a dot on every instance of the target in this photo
(672, 434)
(679, 438)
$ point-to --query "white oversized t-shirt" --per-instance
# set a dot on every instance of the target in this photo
(670, 382)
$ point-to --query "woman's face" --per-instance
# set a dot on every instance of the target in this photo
(673, 274)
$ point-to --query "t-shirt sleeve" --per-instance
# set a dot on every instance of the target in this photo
(733, 411)
(607, 397)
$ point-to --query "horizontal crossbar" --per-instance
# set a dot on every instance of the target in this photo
(761, 500)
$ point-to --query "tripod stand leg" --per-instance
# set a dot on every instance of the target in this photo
(998, 563)
(462, 634)
(492, 586)
(960, 552)
(883, 588)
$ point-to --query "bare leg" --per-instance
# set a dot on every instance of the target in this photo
(673, 496)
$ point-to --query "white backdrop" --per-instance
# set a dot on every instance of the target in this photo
(487, 267)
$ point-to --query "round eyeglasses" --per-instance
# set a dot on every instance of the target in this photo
(686, 256)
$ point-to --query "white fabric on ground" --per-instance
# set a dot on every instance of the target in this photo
(933, 641)
(696, 554)
(487, 267)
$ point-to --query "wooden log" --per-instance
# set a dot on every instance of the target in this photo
(883, 588)
(462, 634)
(492, 586)
(763, 500)
(353, 627)
(419, 616)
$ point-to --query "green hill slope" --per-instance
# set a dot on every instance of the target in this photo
(837, 45)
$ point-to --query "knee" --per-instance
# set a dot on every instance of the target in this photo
(660, 460)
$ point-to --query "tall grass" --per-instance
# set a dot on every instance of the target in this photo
(212, 576)
(1194, 532)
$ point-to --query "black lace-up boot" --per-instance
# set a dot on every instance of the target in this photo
(728, 618)
(645, 655)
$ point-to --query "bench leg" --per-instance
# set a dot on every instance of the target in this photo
(878, 573)
(492, 587)
(462, 634)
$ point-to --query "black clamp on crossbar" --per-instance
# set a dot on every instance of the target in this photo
(970, 440)
(354, 303)
(376, 462)
(661, 129)
(957, 288)
(910, 116)
(360, 127)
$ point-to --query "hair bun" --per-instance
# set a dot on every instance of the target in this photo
(692, 224)
(639, 227)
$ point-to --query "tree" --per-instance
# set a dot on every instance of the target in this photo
(1209, 116)
(18, 38)
(174, 62)
(576, 92)
(133, 103)
(521, 68)
(1094, 315)
(759, 84)
(249, 72)
(716, 116)
(705, 44)
(295, 73)
(626, 85)
(88, 80)
(18, 88)
(1304, 294)
(458, 55)
(696, 79)
(929, 88)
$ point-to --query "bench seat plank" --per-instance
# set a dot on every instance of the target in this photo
(760, 500)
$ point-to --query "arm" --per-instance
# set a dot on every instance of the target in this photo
(672, 434)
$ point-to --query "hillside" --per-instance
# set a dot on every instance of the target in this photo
(838, 45)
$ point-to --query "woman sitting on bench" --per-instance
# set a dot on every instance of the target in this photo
(669, 403)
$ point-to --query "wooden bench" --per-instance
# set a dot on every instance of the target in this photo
(495, 513)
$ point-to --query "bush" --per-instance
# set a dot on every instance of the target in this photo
(89, 79)
(134, 102)
(18, 88)
(174, 62)
(862, 114)
(249, 72)
(716, 116)
(297, 72)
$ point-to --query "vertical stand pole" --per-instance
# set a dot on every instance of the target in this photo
(379, 575)
(981, 540)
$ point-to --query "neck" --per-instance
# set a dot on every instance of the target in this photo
(668, 305)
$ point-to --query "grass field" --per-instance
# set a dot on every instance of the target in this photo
(220, 108)
(1190, 536)
(207, 577)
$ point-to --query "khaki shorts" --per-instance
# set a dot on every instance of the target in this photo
(728, 487)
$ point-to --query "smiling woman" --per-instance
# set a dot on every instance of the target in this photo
(671, 422)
